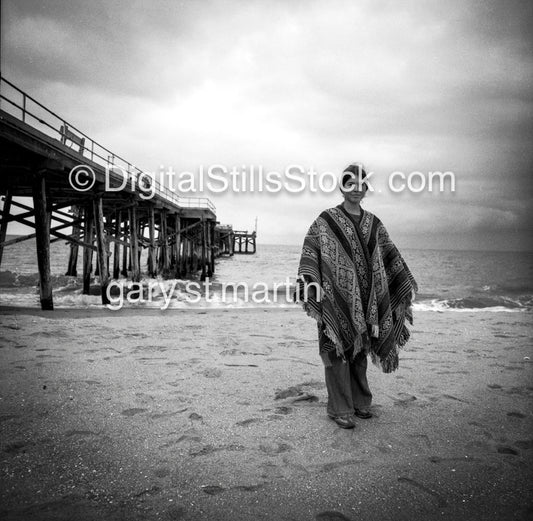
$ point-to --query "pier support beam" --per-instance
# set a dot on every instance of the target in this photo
(245, 239)
(191, 255)
(211, 231)
(87, 252)
(116, 246)
(101, 248)
(6, 211)
(177, 246)
(195, 255)
(42, 239)
(72, 269)
(203, 250)
(134, 255)
(125, 249)
(184, 256)
(163, 244)
(151, 247)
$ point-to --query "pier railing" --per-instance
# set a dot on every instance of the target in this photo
(16, 102)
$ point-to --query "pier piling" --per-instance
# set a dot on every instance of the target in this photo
(87, 252)
(101, 247)
(72, 268)
(42, 239)
(6, 210)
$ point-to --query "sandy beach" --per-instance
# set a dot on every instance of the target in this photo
(220, 415)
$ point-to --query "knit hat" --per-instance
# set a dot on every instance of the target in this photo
(354, 171)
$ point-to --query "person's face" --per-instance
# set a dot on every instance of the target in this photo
(353, 191)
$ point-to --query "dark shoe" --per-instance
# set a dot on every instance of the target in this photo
(344, 422)
(365, 415)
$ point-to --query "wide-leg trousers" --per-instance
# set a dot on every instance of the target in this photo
(347, 383)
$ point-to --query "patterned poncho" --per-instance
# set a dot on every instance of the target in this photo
(354, 282)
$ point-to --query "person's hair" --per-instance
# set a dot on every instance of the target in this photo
(353, 172)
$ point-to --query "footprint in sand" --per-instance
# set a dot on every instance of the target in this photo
(227, 341)
(514, 414)
(422, 438)
(133, 411)
(331, 515)
(441, 502)
(6, 417)
(82, 433)
(272, 417)
(175, 513)
(274, 449)
(190, 435)
(169, 414)
(524, 444)
(248, 488)
(209, 449)
(479, 445)
(334, 465)
(298, 392)
(15, 447)
(212, 372)
(244, 423)
(404, 399)
(384, 448)
(502, 449)
(212, 490)
(161, 472)
(438, 459)
(231, 352)
(451, 397)
(523, 391)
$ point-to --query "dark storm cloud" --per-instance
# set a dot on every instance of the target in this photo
(115, 46)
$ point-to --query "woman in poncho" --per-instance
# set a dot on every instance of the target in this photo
(354, 282)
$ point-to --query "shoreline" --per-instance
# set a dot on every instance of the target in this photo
(87, 313)
(216, 307)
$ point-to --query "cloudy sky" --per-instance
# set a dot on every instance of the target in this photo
(398, 85)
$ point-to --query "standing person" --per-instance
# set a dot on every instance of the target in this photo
(354, 282)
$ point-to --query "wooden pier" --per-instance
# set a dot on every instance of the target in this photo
(244, 242)
(229, 241)
(63, 172)
(224, 240)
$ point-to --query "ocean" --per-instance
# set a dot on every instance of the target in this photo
(449, 281)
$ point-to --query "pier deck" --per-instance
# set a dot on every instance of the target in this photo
(83, 193)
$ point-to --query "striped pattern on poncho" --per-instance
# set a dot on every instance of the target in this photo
(354, 282)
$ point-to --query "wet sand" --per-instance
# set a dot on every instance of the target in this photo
(220, 415)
